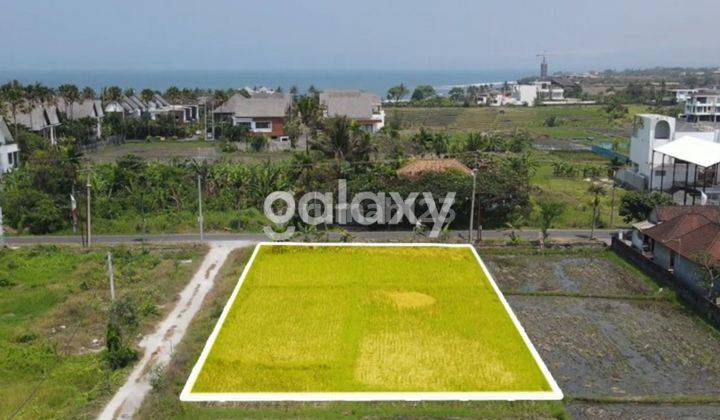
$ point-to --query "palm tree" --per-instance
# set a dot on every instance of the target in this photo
(342, 139)
(88, 93)
(596, 190)
(549, 211)
(70, 93)
(306, 115)
(397, 92)
(12, 93)
(147, 95)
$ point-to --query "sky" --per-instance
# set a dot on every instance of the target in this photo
(369, 34)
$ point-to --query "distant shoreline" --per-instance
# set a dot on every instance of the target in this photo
(377, 81)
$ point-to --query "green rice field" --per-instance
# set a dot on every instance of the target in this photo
(367, 319)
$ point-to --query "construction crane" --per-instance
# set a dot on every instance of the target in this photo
(543, 64)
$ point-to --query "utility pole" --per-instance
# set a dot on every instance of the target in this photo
(2, 231)
(205, 119)
(111, 276)
(472, 208)
(200, 209)
(89, 223)
(212, 117)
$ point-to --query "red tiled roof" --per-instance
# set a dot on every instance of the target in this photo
(665, 213)
(699, 243)
(676, 227)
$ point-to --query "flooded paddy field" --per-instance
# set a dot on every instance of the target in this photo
(611, 337)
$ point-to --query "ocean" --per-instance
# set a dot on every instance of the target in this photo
(377, 81)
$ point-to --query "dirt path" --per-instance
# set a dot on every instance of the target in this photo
(158, 346)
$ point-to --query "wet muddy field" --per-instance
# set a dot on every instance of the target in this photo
(614, 336)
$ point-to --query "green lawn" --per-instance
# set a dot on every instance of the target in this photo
(368, 319)
(53, 311)
(573, 192)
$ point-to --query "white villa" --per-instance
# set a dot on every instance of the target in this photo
(540, 90)
(673, 156)
(9, 150)
(702, 105)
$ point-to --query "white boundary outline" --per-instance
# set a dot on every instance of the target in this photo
(186, 395)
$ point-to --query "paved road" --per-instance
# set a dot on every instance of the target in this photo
(603, 235)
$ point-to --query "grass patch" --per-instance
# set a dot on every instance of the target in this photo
(368, 319)
(54, 311)
(163, 401)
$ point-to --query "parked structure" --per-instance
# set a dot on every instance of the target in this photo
(703, 105)
(261, 113)
(684, 240)
(88, 108)
(41, 119)
(361, 107)
(9, 150)
(671, 156)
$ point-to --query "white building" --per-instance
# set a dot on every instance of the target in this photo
(671, 155)
(549, 91)
(703, 105)
(682, 95)
(544, 91)
(9, 150)
(524, 95)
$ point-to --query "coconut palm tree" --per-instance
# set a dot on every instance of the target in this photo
(13, 95)
(147, 95)
(88, 93)
(70, 93)
(342, 139)
(305, 115)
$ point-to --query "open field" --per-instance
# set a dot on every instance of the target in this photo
(611, 337)
(582, 124)
(53, 306)
(163, 402)
(572, 192)
(637, 344)
(168, 150)
(365, 319)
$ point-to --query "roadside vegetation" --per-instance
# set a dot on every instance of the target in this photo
(55, 308)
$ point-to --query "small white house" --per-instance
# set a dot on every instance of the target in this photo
(9, 150)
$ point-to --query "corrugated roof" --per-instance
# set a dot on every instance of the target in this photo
(258, 105)
(421, 166)
(352, 103)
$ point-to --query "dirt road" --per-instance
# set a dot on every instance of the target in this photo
(158, 346)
